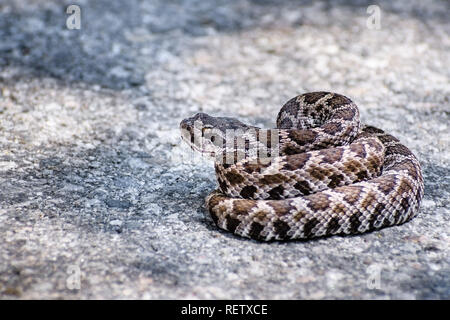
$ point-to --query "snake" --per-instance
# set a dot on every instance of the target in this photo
(319, 173)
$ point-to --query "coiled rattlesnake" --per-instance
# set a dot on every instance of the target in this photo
(319, 173)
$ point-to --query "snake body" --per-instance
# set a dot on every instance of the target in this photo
(320, 172)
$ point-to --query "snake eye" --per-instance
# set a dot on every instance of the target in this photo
(213, 138)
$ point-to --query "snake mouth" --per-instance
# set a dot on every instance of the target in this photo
(194, 147)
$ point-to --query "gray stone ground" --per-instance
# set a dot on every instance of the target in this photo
(94, 177)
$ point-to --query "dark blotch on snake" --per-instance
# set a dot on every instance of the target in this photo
(255, 166)
(303, 187)
(295, 162)
(312, 97)
(255, 230)
(370, 129)
(398, 149)
(387, 138)
(335, 180)
(338, 101)
(387, 184)
(242, 207)
(331, 127)
(247, 192)
(302, 137)
(271, 179)
(333, 225)
(354, 222)
(358, 149)
(281, 228)
(276, 193)
(289, 149)
(378, 211)
(285, 123)
(232, 223)
(309, 226)
(223, 185)
(234, 178)
(346, 114)
(405, 204)
(214, 216)
(331, 155)
(362, 175)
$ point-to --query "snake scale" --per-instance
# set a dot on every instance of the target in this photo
(318, 173)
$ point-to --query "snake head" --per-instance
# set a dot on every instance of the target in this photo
(203, 134)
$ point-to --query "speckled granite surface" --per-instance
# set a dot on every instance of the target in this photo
(100, 199)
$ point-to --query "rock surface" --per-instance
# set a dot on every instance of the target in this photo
(99, 197)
